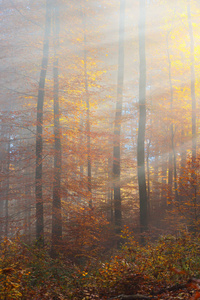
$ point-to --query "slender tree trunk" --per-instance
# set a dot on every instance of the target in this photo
(81, 159)
(7, 190)
(117, 123)
(155, 179)
(148, 179)
(110, 187)
(142, 122)
(26, 209)
(56, 208)
(87, 100)
(110, 192)
(183, 168)
(2, 200)
(170, 173)
(27, 219)
(39, 129)
(1, 208)
(164, 181)
(175, 173)
(193, 96)
(29, 216)
(171, 150)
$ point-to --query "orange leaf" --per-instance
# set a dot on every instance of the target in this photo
(177, 271)
(195, 296)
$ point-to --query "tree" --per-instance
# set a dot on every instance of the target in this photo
(142, 121)
(56, 207)
(87, 101)
(39, 129)
(172, 152)
(117, 123)
(193, 97)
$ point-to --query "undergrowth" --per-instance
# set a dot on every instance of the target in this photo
(27, 272)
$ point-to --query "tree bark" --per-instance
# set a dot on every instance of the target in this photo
(142, 122)
(39, 128)
(117, 123)
(56, 207)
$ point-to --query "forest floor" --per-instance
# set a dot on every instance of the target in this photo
(166, 269)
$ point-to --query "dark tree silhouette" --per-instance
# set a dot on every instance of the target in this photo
(56, 208)
(39, 129)
(142, 121)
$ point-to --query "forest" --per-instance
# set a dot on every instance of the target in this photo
(99, 155)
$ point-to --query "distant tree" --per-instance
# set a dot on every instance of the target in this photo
(172, 165)
(7, 189)
(193, 97)
(87, 102)
(117, 123)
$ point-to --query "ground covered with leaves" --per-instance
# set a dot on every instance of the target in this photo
(166, 269)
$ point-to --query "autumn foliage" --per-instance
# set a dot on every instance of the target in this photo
(166, 269)
(99, 149)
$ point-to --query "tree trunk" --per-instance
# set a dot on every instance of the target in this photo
(88, 114)
(39, 129)
(164, 181)
(171, 149)
(1, 208)
(142, 122)
(175, 173)
(193, 97)
(81, 159)
(109, 193)
(110, 214)
(56, 207)
(148, 179)
(117, 123)
(7, 190)
(27, 191)
(183, 168)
